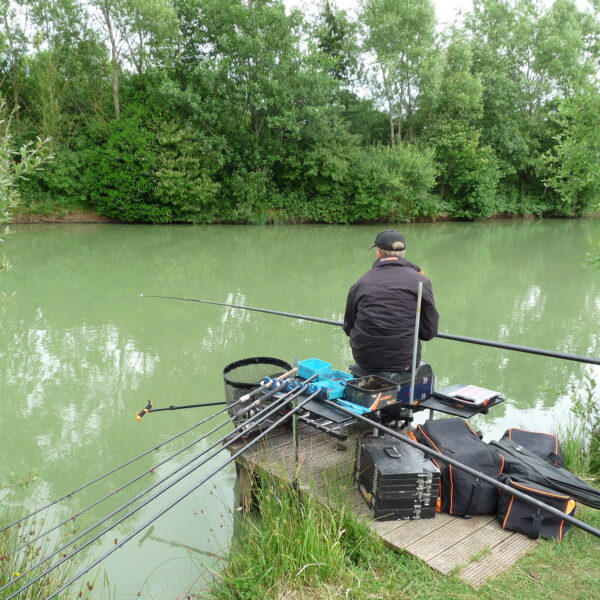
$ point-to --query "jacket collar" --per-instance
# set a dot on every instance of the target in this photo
(395, 261)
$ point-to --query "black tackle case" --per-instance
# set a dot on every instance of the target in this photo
(396, 480)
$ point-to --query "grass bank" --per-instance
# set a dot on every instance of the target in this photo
(293, 547)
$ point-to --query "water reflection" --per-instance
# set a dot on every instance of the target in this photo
(80, 351)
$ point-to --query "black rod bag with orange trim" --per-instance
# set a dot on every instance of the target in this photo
(521, 463)
(544, 445)
(462, 494)
(517, 515)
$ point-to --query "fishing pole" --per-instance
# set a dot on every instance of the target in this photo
(249, 445)
(471, 471)
(266, 413)
(150, 408)
(125, 485)
(112, 471)
(447, 336)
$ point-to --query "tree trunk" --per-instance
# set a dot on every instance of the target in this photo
(114, 59)
(15, 87)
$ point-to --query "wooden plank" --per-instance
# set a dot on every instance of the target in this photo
(501, 557)
(479, 542)
(430, 545)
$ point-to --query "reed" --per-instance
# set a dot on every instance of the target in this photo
(293, 542)
(11, 566)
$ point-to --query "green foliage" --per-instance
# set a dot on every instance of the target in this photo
(15, 164)
(586, 408)
(400, 181)
(151, 168)
(244, 111)
(573, 165)
(293, 543)
(59, 187)
(469, 173)
(13, 565)
(119, 173)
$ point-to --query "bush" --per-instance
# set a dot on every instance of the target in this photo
(152, 169)
(469, 173)
(399, 182)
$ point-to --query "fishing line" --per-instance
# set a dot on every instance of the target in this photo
(263, 415)
(111, 472)
(448, 336)
(183, 496)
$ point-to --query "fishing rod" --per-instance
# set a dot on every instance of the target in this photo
(150, 408)
(471, 471)
(111, 472)
(447, 336)
(126, 484)
(249, 445)
(266, 413)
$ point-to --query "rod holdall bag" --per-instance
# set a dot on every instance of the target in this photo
(544, 445)
(462, 494)
(517, 515)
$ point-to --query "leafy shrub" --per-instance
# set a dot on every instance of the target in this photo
(399, 182)
(154, 170)
(469, 173)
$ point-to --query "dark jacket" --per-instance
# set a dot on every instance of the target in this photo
(381, 312)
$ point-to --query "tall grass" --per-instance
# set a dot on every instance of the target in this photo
(12, 565)
(296, 542)
(573, 441)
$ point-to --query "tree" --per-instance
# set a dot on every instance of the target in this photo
(14, 165)
(573, 165)
(528, 58)
(468, 170)
(336, 40)
(400, 35)
(139, 31)
(13, 45)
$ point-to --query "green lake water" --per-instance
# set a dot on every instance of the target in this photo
(81, 352)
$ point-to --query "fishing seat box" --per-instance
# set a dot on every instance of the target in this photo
(517, 515)
(396, 480)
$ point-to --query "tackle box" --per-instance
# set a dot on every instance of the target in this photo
(396, 480)
(371, 391)
(312, 366)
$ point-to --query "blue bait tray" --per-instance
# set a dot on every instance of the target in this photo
(312, 366)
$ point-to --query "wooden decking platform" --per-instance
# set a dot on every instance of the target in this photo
(473, 549)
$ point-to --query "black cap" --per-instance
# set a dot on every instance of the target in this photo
(386, 240)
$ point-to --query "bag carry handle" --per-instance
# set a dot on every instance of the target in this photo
(392, 452)
(474, 501)
(536, 525)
